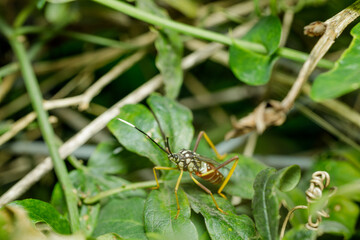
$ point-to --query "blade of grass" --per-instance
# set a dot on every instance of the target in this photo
(46, 129)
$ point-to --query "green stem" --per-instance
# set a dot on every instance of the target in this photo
(32, 86)
(202, 33)
(104, 194)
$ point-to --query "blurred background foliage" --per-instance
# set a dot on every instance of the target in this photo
(74, 44)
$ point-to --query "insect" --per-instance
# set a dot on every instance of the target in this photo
(194, 163)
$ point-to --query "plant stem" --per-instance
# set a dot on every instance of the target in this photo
(94, 199)
(46, 129)
(202, 33)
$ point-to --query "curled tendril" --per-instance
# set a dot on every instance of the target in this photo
(320, 180)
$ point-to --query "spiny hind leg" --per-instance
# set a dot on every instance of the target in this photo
(208, 191)
(211, 144)
(160, 168)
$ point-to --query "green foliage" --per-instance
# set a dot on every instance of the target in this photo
(251, 67)
(40, 211)
(118, 174)
(124, 217)
(170, 49)
(160, 212)
(219, 225)
(343, 78)
(266, 202)
(241, 183)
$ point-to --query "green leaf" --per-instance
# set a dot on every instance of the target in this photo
(123, 217)
(344, 77)
(288, 178)
(266, 32)
(266, 203)
(220, 225)
(88, 183)
(300, 233)
(15, 224)
(175, 120)
(40, 211)
(135, 141)
(92, 182)
(168, 61)
(160, 212)
(199, 223)
(170, 51)
(255, 68)
(343, 217)
(106, 159)
(241, 182)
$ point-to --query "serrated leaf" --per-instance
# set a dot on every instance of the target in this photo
(160, 212)
(40, 211)
(344, 77)
(220, 225)
(343, 217)
(242, 180)
(251, 67)
(170, 51)
(123, 217)
(266, 203)
(174, 119)
(106, 159)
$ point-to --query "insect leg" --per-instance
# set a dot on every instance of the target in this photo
(160, 168)
(208, 191)
(201, 134)
(236, 159)
(176, 189)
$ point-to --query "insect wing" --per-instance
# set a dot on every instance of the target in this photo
(208, 160)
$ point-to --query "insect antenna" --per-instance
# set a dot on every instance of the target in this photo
(167, 145)
(166, 139)
(131, 125)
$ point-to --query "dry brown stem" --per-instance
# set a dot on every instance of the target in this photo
(275, 113)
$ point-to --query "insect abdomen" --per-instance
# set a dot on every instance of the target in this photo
(215, 177)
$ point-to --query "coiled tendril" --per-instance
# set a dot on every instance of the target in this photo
(320, 180)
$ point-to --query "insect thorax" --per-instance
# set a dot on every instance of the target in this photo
(188, 160)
